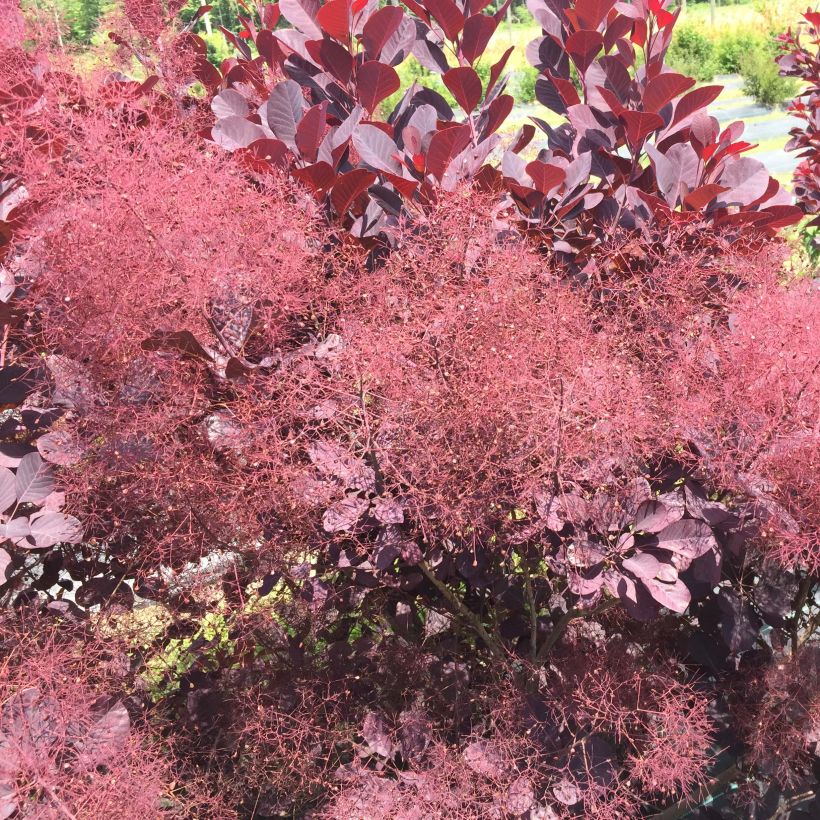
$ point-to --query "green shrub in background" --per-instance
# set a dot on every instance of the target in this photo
(523, 85)
(218, 47)
(410, 71)
(761, 77)
(692, 53)
(732, 47)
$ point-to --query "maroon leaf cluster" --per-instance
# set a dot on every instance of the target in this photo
(800, 57)
(638, 145)
(321, 122)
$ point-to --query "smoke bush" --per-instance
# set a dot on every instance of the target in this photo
(336, 486)
(68, 745)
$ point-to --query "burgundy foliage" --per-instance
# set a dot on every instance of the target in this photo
(310, 98)
(800, 57)
(638, 146)
(430, 530)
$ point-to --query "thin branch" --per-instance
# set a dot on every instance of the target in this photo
(566, 619)
(533, 615)
(461, 609)
(799, 605)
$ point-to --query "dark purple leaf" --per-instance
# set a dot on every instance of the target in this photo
(665, 87)
(15, 385)
(739, 626)
(712, 512)
(444, 146)
(583, 46)
(50, 528)
(676, 171)
(496, 113)
(695, 101)
(547, 93)
(284, 110)
(101, 741)
(334, 57)
(548, 507)
(379, 28)
(587, 583)
(34, 479)
(348, 186)
(640, 124)
(545, 177)
(376, 149)
(333, 460)
(5, 563)
(701, 197)
(59, 447)
(591, 13)
(478, 30)
(8, 489)
(376, 81)
(448, 15)
(703, 128)
(653, 516)
(674, 596)
(430, 55)
(745, 179)
(302, 14)
(388, 511)
(344, 514)
(465, 86)
(376, 734)
(400, 45)
(636, 599)
(233, 133)
(687, 537)
(642, 565)
(229, 103)
(310, 130)
(497, 68)
(334, 18)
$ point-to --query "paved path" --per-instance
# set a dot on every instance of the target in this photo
(766, 126)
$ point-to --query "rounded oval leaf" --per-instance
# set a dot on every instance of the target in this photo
(229, 103)
(376, 82)
(50, 528)
(465, 85)
(234, 132)
(34, 480)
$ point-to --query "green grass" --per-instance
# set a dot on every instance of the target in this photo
(728, 19)
(756, 16)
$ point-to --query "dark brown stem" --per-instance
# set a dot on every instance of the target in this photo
(461, 609)
(799, 604)
(565, 621)
(533, 615)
